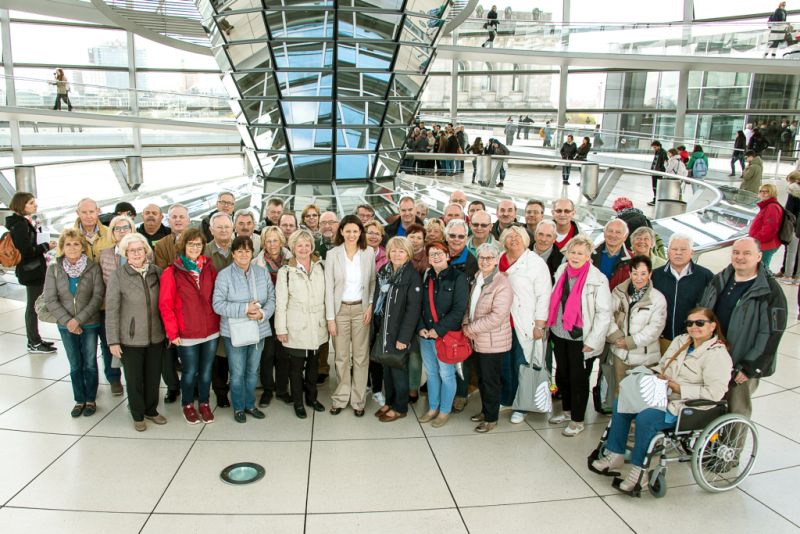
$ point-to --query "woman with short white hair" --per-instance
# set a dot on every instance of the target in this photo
(643, 243)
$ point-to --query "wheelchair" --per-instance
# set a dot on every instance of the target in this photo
(720, 446)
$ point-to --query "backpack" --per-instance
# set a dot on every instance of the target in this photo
(700, 168)
(788, 224)
(9, 255)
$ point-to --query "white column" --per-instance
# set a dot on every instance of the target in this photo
(137, 132)
(11, 91)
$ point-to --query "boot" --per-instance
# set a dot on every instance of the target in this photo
(608, 465)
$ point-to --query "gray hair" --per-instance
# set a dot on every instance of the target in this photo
(299, 234)
(225, 193)
(580, 239)
(134, 236)
(487, 247)
(244, 212)
(644, 230)
(612, 221)
(217, 215)
(176, 206)
(678, 236)
(456, 222)
(519, 230)
(546, 222)
(87, 199)
(556, 201)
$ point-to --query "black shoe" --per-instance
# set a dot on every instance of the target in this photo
(40, 348)
(499, 184)
(265, 399)
(651, 203)
(317, 405)
(412, 399)
(285, 397)
(335, 411)
(240, 417)
(222, 400)
(321, 379)
(358, 413)
(565, 182)
(48, 343)
(172, 395)
(424, 388)
(300, 412)
(255, 412)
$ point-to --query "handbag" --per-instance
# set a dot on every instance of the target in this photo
(42, 312)
(533, 393)
(396, 360)
(641, 390)
(245, 331)
(453, 347)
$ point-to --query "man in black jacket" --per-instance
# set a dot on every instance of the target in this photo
(752, 313)
(507, 216)
(544, 246)
(568, 151)
(408, 216)
(226, 202)
(659, 164)
(682, 282)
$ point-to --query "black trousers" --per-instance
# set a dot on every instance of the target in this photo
(654, 183)
(219, 376)
(169, 369)
(31, 319)
(274, 369)
(572, 376)
(395, 381)
(59, 98)
(303, 371)
(490, 368)
(142, 367)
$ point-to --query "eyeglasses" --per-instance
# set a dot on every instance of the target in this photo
(437, 254)
(139, 250)
(312, 215)
(194, 245)
(225, 202)
(327, 223)
(374, 234)
(480, 225)
(126, 228)
(562, 211)
(700, 322)
(486, 258)
(456, 236)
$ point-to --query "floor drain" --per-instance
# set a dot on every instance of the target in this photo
(242, 473)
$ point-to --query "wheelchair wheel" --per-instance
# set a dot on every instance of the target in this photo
(724, 453)
(657, 483)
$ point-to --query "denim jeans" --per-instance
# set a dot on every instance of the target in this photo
(441, 378)
(197, 361)
(648, 424)
(509, 379)
(113, 374)
(82, 355)
(737, 156)
(565, 170)
(766, 258)
(243, 364)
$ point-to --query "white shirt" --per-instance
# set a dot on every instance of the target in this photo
(686, 271)
(353, 288)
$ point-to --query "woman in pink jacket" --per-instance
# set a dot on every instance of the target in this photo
(487, 323)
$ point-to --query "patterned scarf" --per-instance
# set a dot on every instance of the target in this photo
(194, 267)
(75, 270)
(387, 277)
(637, 294)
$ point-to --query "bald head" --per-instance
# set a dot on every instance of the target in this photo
(481, 224)
(458, 197)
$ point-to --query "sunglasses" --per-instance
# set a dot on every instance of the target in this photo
(480, 225)
(456, 236)
(699, 322)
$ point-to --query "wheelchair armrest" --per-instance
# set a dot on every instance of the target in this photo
(697, 403)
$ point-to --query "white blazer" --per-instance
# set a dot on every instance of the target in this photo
(595, 309)
(530, 280)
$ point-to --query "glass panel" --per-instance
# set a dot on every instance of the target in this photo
(242, 26)
(72, 45)
(382, 4)
(156, 55)
(388, 163)
(400, 113)
(393, 138)
(588, 90)
(251, 56)
(775, 91)
(233, 5)
(353, 166)
(413, 58)
(307, 113)
(359, 25)
(426, 7)
(357, 139)
(276, 166)
(590, 11)
(366, 55)
(312, 167)
(269, 138)
(305, 24)
(362, 84)
(305, 84)
(407, 85)
(297, 3)
(260, 111)
(309, 138)
(420, 30)
(360, 113)
(303, 55)
(252, 84)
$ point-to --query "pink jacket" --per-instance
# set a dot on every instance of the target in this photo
(492, 322)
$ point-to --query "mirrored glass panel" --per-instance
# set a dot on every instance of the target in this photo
(312, 167)
(309, 138)
(303, 55)
(253, 84)
(268, 138)
(249, 56)
(276, 165)
(358, 113)
(359, 25)
(366, 55)
(261, 111)
(362, 84)
(242, 26)
(353, 166)
(307, 113)
(305, 84)
(357, 139)
(300, 24)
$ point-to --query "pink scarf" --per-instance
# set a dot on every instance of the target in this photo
(572, 310)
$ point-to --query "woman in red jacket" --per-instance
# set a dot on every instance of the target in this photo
(767, 223)
(187, 287)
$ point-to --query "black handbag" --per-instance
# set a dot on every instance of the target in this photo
(397, 360)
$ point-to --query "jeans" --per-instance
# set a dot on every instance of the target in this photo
(243, 364)
(441, 378)
(766, 257)
(737, 156)
(565, 170)
(790, 258)
(446, 166)
(82, 355)
(648, 423)
(31, 319)
(395, 382)
(113, 374)
(197, 361)
(509, 378)
(59, 98)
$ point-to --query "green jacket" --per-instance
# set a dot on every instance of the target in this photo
(751, 179)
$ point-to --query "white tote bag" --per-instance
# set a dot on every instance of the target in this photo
(245, 331)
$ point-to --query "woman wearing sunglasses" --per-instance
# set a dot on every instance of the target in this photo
(696, 366)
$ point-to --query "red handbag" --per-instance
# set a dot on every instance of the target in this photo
(454, 346)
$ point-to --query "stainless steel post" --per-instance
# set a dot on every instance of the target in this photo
(25, 178)
(134, 177)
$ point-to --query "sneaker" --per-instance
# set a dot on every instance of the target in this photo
(379, 398)
(48, 343)
(504, 408)
(321, 378)
(206, 414)
(651, 203)
(41, 348)
(255, 412)
(559, 418)
(517, 417)
(636, 476)
(240, 417)
(609, 465)
(116, 389)
(190, 414)
(572, 429)
(485, 427)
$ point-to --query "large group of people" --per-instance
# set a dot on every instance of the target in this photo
(221, 307)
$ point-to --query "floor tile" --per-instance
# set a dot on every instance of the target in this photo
(17, 388)
(29, 520)
(119, 424)
(771, 488)
(48, 411)
(348, 426)
(87, 477)
(7, 305)
(445, 521)
(580, 515)
(49, 366)
(12, 346)
(776, 411)
(505, 475)
(775, 451)
(460, 424)
(787, 373)
(184, 523)
(730, 512)
(281, 424)
(48, 331)
(767, 388)
(380, 475)
(25, 455)
(282, 490)
(12, 320)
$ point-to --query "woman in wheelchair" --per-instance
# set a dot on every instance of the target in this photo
(696, 366)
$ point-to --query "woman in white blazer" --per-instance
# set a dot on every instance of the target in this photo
(349, 288)
(530, 281)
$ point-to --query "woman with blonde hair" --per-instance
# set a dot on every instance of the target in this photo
(309, 218)
(767, 223)
(434, 231)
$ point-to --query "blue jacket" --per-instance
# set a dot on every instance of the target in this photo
(232, 294)
(682, 295)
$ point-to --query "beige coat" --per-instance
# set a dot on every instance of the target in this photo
(335, 279)
(640, 325)
(491, 323)
(595, 309)
(166, 251)
(703, 374)
(300, 306)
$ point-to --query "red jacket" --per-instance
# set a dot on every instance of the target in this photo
(186, 310)
(767, 224)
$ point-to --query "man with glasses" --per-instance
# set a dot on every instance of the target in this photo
(563, 211)
(328, 224)
(507, 216)
(226, 203)
(288, 225)
(365, 213)
(752, 313)
(481, 225)
(534, 213)
(408, 216)
(153, 227)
